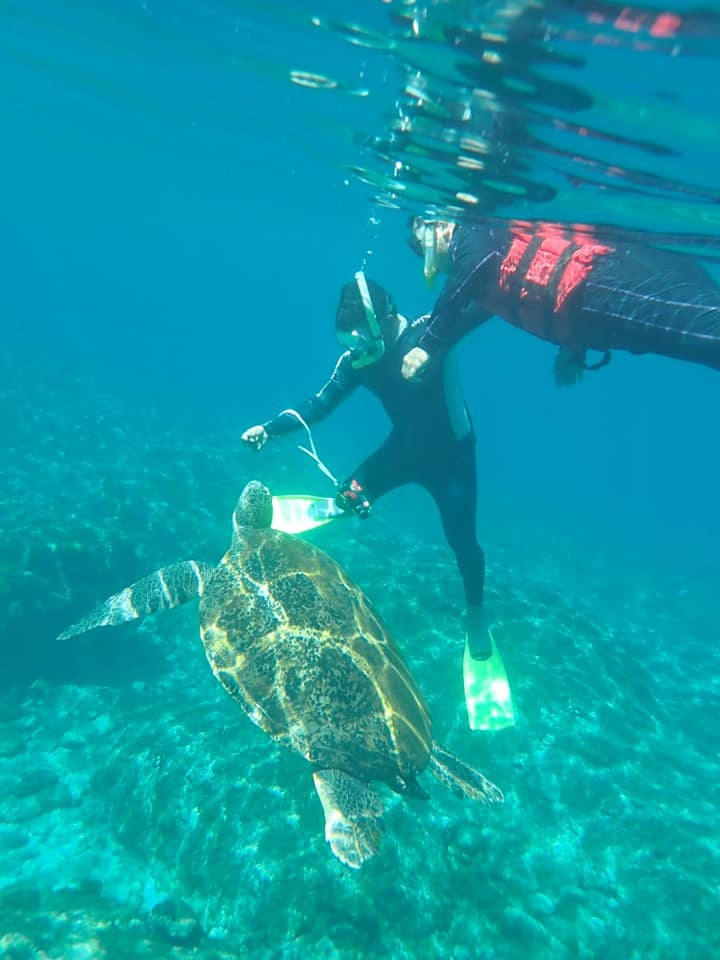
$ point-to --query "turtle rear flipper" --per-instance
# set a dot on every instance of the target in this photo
(168, 587)
(352, 816)
(461, 778)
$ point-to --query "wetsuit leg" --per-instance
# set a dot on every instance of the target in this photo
(451, 480)
(382, 471)
(646, 301)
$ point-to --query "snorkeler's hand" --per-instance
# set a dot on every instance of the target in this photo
(414, 363)
(255, 437)
(351, 498)
(569, 367)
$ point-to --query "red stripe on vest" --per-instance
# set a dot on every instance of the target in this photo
(544, 262)
(541, 273)
(513, 258)
(579, 266)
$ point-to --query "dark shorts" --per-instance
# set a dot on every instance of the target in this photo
(646, 301)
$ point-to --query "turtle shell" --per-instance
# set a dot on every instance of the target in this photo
(300, 647)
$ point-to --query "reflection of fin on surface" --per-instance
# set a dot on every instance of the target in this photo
(487, 692)
(298, 514)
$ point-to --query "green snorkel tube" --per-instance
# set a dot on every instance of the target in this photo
(423, 241)
(429, 249)
(375, 348)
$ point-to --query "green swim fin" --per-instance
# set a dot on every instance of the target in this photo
(299, 514)
(487, 692)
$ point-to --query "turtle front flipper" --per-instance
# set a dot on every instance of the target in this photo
(461, 778)
(352, 816)
(165, 588)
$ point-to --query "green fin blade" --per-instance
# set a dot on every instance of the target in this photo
(487, 691)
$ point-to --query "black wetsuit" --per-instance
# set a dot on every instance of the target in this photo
(578, 294)
(432, 442)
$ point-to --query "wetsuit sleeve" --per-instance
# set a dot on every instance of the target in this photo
(459, 307)
(340, 385)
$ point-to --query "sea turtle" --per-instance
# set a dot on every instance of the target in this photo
(301, 649)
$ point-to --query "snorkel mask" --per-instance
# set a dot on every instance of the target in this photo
(366, 346)
(424, 242)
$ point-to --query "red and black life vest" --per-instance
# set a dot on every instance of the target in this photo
(538, 274)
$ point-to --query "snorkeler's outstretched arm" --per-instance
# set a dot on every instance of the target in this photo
(429, 347)
(338, 387)
(460, 307)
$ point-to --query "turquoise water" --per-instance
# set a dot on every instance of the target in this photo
(179, 215)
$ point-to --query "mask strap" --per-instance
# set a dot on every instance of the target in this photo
(312, 452)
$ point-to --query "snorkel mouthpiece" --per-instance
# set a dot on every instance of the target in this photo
(374, 347)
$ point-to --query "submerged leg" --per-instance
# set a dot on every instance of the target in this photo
(352, 810)
(165, 588)
(461, 778)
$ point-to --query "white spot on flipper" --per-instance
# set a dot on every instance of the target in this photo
(126, 607)
(166, 595)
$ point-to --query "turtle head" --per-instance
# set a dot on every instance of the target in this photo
(254, 508)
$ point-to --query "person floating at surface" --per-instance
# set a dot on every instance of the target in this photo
(571, 290)
(432, 442)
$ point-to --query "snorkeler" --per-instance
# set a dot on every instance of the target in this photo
(569, 289)
(432, 442)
